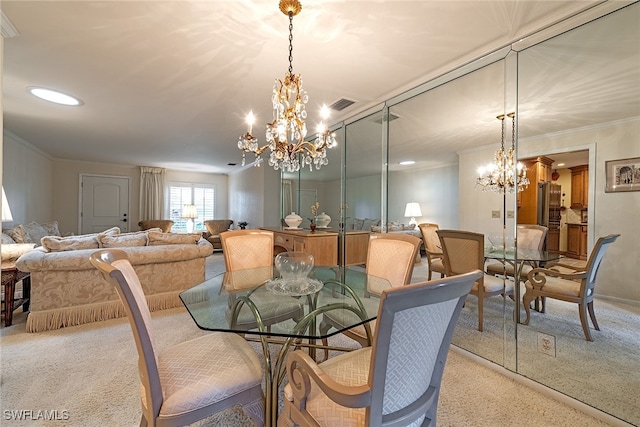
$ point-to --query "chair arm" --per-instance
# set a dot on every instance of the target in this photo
(301, 369)
(561, 264)
(538, 279)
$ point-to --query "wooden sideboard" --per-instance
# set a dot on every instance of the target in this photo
(324, 245)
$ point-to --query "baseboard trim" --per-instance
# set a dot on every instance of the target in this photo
(554, 394)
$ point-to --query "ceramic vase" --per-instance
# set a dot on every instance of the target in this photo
(293, 220)
(323, 220)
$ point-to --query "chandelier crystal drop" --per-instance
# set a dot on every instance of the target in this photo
(504, 174)
(286, 134)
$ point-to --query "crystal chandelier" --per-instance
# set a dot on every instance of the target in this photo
(504, 174)
(285, 135)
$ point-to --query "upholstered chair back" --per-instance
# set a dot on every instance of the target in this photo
(531, 236)
(163, 224)
(116, 269)
(244, 249)
(390, 256)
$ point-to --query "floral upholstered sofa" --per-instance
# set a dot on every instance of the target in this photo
(67, 290)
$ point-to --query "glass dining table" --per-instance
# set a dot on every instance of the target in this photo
(518, 258)
(225, 302)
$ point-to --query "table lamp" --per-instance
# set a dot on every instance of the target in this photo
(412, 210)
(190, 213)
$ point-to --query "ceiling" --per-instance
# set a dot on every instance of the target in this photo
(168, 83)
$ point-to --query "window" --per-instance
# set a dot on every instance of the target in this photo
(201, 195)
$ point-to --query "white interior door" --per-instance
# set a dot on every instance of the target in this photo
(104, 203)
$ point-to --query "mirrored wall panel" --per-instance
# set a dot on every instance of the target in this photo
(579, 104)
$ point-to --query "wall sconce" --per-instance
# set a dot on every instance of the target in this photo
(412, 210)
(190, 213)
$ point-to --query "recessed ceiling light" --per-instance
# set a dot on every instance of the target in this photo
(54, 96)
(560, 164)
(407, 162)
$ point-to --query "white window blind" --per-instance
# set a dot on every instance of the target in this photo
(202, 196)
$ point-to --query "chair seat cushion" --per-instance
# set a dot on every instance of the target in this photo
(493, 284)
(499, 268)
(555, 285)
(351, 369)
(339, 317)
(206, 370)
(438, 266)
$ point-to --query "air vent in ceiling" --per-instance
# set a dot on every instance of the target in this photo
(392, 117)
(341, 104)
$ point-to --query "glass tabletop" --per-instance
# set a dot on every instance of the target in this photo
(523, 254)
(257, 301)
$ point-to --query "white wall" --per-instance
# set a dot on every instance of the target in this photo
(45, 189)
(254, 196)
(27, 177)
(436, 190)
(608, 212)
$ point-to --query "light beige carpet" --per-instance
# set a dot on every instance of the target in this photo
(88, 374)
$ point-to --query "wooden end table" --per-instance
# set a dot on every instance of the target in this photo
(10, 276)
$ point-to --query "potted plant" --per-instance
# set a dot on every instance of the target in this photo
(243, 225)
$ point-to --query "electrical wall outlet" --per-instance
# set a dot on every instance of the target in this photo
(547, 344)
(510, 214)
(495, 214)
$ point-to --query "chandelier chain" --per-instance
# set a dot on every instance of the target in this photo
(291, 43)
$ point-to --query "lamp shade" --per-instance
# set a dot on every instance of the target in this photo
(6, 211)
(189, 211)
(412, 210)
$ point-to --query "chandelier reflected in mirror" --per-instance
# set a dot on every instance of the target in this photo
(286, 134)
(504, 174)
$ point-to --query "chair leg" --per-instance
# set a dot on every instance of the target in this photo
(592, 314)
(526, 301)
(323, 329)
(429, 275)
(583, 319)
(480, 313)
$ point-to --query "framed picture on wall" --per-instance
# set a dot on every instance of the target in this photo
(622, 175)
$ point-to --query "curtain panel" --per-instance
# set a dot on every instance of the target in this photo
(152, 184)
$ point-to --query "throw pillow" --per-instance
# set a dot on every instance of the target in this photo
(7, 240)
(52, 228)
(71, 243)
(123, 240)
(157, 238)
(29, 233)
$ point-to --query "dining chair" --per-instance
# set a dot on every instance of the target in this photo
(390, 256)
(571, 286)
(253, 249)
(529, 236)
(385, 384)
(435, 257)
(464, 252)
(191, 380)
